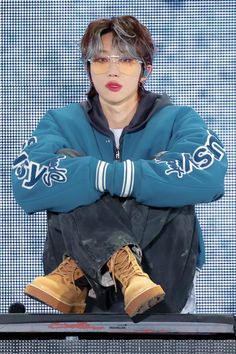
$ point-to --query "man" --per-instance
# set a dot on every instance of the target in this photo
(119, 175)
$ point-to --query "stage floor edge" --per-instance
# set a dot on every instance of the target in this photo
(161, 324)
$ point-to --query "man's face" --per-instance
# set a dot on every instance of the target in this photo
(113, 86)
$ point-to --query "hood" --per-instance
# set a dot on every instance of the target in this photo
(149, 104)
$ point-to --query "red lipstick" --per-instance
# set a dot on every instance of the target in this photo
(113, 86)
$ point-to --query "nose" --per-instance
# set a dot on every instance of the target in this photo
(113, 68)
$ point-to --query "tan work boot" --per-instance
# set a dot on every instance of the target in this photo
(58, 289)
(140, 292)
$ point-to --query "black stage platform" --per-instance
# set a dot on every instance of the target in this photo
(117, 334)
(103, 326)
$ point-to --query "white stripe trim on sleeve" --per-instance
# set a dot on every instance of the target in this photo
(132, 180)
(104, 176)
(124, 179)
(128, 178)
(100, 180)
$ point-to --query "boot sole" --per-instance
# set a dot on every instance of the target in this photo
(145, 300)
(52, 301)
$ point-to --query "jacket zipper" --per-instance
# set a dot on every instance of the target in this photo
(117, 154)
(117, 151)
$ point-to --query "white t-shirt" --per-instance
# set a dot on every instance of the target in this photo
(117, 133)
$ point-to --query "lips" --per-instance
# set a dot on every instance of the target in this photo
(113, 86)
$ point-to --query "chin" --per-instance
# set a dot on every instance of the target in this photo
(113, 98)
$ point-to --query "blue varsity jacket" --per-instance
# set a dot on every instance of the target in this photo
(167, 158)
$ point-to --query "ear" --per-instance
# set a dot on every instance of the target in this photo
(147, 72)
(88, 72)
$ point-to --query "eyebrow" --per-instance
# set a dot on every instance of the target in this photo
(107, 52)
(103, 51)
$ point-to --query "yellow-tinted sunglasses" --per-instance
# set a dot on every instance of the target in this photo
(126, 65)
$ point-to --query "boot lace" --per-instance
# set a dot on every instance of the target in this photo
(123, 266)
(69, 270)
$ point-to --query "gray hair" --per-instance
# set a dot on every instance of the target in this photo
(121, 41)
(130, 37)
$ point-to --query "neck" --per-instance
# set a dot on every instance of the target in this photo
(119, 115)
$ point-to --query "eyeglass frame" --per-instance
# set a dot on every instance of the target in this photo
(139, 61)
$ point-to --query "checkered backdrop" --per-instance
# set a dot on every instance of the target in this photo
(42, 69)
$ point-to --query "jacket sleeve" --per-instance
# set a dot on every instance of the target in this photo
(42, 179)
(191, 171)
